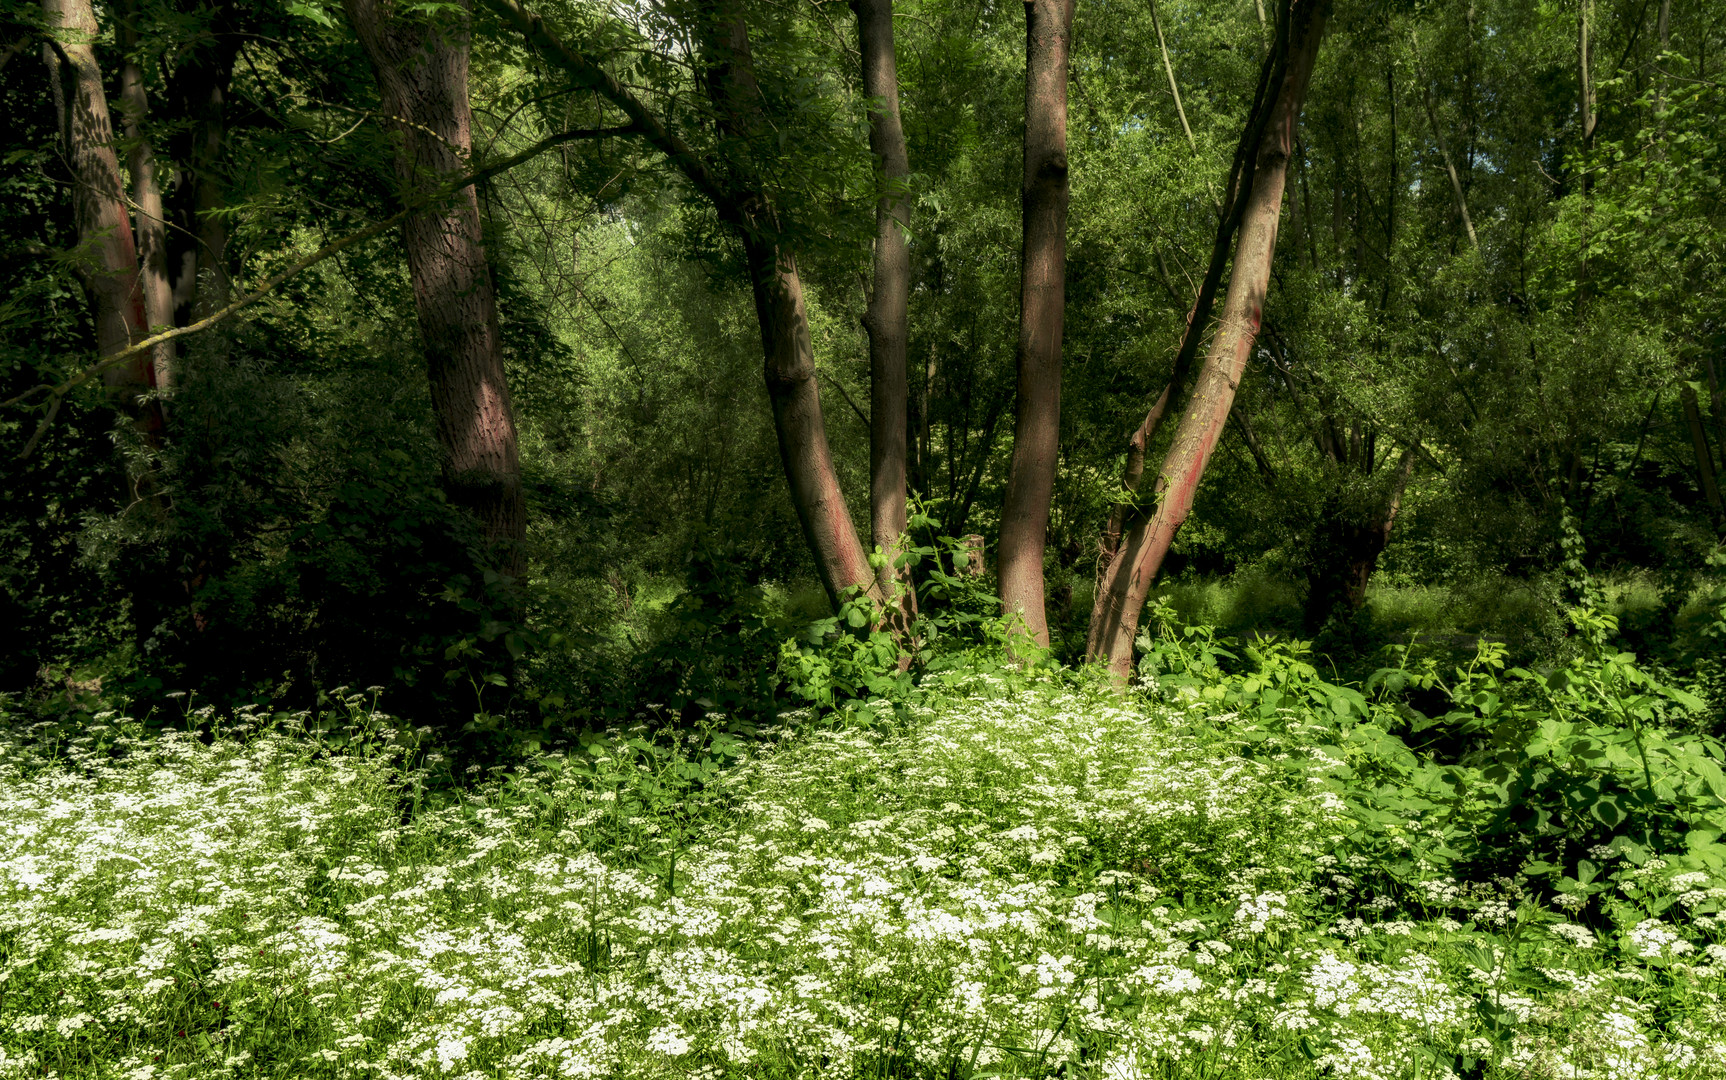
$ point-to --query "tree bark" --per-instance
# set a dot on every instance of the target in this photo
(1198, 317)
(1042, 302)
(1174, 87)
(1128, 581)
(151, 229)
(786, 343)
(421, 65)
(1352, 547)
(1705, 475)
(1585, 73)
(107, 257)
(889, 297)
(199, 244)
(1456, 188)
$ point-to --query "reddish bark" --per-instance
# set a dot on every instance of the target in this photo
(1129, 578)
(107, 257)
(1198, 317)
(421, 65)
(1042, 304)
(790, 352)
(889, 297)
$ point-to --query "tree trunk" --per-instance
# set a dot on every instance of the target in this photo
(107, 258)
(1716, 405)
(151, 230)
(1456, 188)
(1585, 73)
(1351, 549)
(1198, 317)
(1129, 578)
(789, 351)
(1705, 475)
(1042, 302)
(199, 244)
(889, 297)
(421, 66)
(778, 290)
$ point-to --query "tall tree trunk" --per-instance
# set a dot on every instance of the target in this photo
(199, 244)
(777, 287)
(790, 352)
(107, 256)
(1174, 87)
(890, 292)
(1585, 72)
(421, 65)
(151, 229)
(1042, 303)
(1126, 585)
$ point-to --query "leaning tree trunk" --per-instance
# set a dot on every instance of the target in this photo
(790, 352)
(889, 297)
(778, 289)
(421, 64)
(1129, 578)
(1042, 303)
(1198, 317)
(107, 256)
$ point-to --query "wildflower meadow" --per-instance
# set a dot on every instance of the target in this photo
(1025, 875)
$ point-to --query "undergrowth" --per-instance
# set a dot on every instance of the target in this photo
(1237, 869)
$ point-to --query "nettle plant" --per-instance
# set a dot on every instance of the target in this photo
(945, 622)
(1542, 775)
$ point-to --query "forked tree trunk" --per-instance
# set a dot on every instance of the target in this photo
(421, 65)
(1230, 211)
(1042, 303)
(107, 256)
(1129, 578)
(890, 292)
(151, 229)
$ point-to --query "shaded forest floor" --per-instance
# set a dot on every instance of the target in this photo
(1017, 876)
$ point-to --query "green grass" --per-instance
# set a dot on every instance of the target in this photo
(1032, 878)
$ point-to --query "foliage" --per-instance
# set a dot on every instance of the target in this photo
(1534, 773)
(1002, 883)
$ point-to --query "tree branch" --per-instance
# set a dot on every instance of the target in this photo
(270, 284)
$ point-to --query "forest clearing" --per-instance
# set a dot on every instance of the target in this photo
(928, 539)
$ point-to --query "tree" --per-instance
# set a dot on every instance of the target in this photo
(107, 257)
(1042, 307)
(747, 207)
(890, 292)
(421, 65)
(1300, 29)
